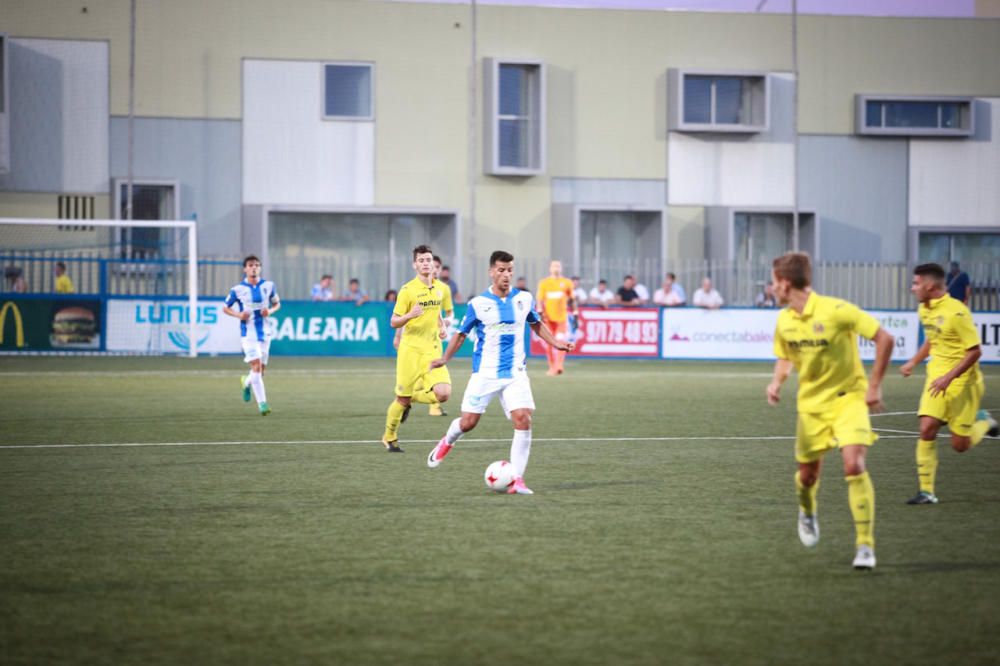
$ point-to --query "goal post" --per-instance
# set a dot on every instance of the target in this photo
(104, 259)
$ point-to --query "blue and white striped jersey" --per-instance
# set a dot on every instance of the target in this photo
(253, 298)
(499, 327)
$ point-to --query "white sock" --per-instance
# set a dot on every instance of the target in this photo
(257, 383)
(454, 432)
(246, 380)
(520, 449)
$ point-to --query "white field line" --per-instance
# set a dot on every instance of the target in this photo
(377, 372)
(302, 442)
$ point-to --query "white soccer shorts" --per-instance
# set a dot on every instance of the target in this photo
(255, 349)
(514, 393)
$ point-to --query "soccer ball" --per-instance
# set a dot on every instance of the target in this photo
(499, 476)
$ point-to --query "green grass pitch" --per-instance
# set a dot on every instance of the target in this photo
(662, 530)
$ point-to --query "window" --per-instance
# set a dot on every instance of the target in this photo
(615, 243)
(151, 200)
(945, 247)
(760, 237)
(347, 91)
(704, 101)
(515, 99)
(374, 247)
(915, 116)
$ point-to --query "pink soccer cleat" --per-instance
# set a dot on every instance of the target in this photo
(438, 453)
(519, 488)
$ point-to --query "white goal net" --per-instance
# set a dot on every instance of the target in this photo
(99, 286)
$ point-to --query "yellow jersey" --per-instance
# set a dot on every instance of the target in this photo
(948, 326)
(822, 345)
(553, 296)
(64, 285)
(421, 333)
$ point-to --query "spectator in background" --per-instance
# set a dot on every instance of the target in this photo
(444, 274)
(601, 295)
(391, 297)
(765, 299)
(355, 292)
(959, 284)
(707, 297)
(63, 284)
(522, 284)
(15, 279)
(670, 294)
(642, 292)
(323, 290)
(579, 293)
(627, 295)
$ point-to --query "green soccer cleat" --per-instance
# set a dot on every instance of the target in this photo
(923, 497)
(983, 415)
(245, 387)
(265, 409)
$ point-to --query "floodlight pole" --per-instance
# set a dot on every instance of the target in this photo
(795, 120)
(795, 126)
(131, 118)
(473, 152)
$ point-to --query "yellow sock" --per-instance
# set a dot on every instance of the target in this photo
(807, 496)
(861, 495)
(979, 430)
(927, 463)
(393, 416)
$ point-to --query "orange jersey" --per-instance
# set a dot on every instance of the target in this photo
(553, 297)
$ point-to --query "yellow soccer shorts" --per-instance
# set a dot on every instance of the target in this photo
(412, 366)
(957, 406)
(845, 423)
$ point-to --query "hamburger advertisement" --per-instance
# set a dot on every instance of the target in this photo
(75, 327)
(29, 324)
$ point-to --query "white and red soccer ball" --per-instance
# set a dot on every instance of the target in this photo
(499, 476)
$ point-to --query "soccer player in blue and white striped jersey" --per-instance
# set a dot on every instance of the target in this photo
(498, 317)
(252, 301)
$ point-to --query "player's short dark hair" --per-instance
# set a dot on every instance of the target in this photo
(354, 281)
(500, 255)
(627, 277)
(61, 264)
(250, 257)
(437, 259)
(672, 276)
(422, 249)
(931, 270)
(326, 277)
(602, 281)
(575, 277)
(794, 267)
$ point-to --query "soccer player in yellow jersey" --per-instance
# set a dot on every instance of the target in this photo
(418, 312)
(555, 298)
(447, 310)
(817, 335)
(954, 386)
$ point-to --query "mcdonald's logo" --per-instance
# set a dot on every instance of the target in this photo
(18, 323)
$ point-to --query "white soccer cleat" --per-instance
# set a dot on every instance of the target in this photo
(519, 488)
(808, 530)
(438, 453)
(865, 559)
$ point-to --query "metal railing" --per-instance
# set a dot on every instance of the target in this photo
(869, 285)
(94, 274)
